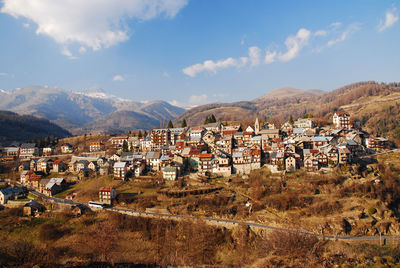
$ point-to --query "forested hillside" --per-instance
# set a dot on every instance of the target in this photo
(17, 128)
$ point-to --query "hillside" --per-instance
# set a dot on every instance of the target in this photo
(374, 104)
(76, 111)
(16, 128)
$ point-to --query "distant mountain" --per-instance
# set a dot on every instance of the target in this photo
(268, 105)
(17, 128)
(289, 92)
(77, 111)
(376, 105)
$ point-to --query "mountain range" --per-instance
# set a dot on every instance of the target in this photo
(376, 105)
(91, 111)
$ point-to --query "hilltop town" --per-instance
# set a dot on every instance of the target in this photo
(209, 150)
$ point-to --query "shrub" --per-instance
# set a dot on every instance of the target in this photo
(371, 211)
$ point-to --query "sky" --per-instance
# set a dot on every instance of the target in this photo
(192, 52)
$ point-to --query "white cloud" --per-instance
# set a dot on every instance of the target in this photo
(254, 55)
(270, 57)
(321, 33)
(344, 35)
(65, 51)
(213, 67)
(165, 74)
(82, 50)
(92, 23)
(3, 74)
(26, 25)
(198, 100)
(335, 25)
(118, 77)
(391, 18)
(294, 44)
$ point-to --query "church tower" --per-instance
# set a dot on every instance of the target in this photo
(256, 127)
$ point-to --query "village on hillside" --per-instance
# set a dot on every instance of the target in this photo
(209, 150)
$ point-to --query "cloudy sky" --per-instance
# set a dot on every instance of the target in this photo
(191, 52)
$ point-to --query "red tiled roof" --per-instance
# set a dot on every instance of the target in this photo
(105, 189)
(205, 155)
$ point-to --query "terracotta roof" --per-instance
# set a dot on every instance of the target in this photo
(106, 189)
(205, 155)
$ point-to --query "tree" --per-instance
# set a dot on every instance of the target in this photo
(170, 125)
(140, 134)
(184, 124)
(291, 119)
(210, 119)
(125, 147)
(213, 119)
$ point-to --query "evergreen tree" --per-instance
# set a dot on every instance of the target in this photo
(125, 147)
(140, 134)
(291, 119)
(170, 125)
(213, 119)
(184, 124)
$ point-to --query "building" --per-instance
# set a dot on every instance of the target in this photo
(160, 137)
(107, 195)
(28, 150)
(170, 173)
(303, 123)
(120, 170)
(96, 146)
(341, 119)
(119, 141)
(67, 148)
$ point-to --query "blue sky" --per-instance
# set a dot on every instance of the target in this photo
(191, 52)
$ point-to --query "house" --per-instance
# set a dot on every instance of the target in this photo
(120, 170)
(341, 119)
(59, 166)
(96, 146)
(170, 173)
(107, 195)
(119, 141)
(153, 160)
(214, 127)
(33, 208)
(303, 123)
(115, 157)
(92, 165)
(81, 164)
(52, 186)
(310, 163)
(6, 194)
(44, 165)
(290, 164)
(24, 166)
(33, 165)
(205, 163)
(322, 159)
(25, 176)
(33, 180)
(47, 151)
(12, 152)
(269, 133)
(67, 148)
(28, 150)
